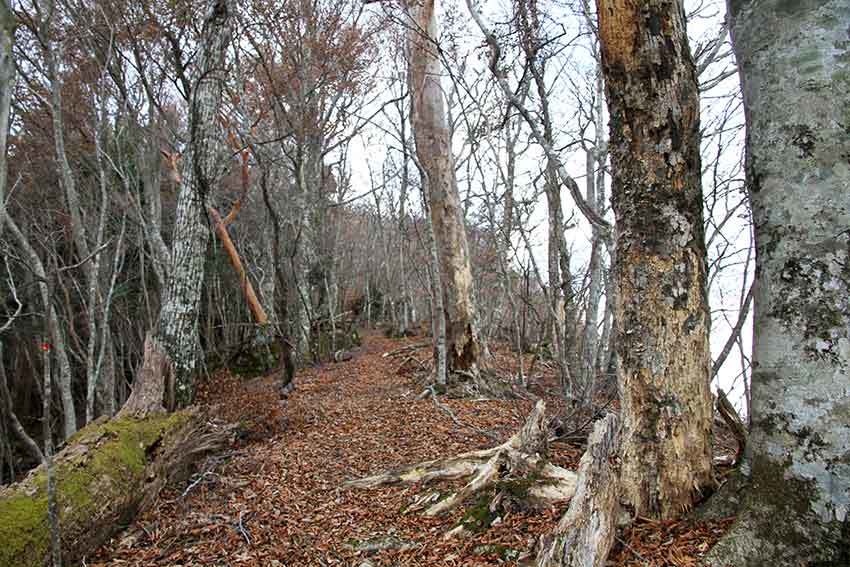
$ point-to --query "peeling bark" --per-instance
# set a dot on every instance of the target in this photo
(794, 60)
(433, 150)
(661, 311)
(585, 534)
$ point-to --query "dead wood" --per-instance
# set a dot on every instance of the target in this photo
(406, 349)
(515, 473)
(108, 472)
(257, 311)
(343, 356)
(733, 421)
(586, 532)
(149, 386)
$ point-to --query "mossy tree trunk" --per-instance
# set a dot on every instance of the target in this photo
(794, 60)
(661, 311)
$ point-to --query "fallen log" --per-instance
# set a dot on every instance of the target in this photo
(406, 349)
(107, 473)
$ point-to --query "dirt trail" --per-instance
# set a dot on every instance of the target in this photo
(343, 421)
(276, 500)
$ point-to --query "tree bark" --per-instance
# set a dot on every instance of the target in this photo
(662, 319)
(109, 471)
(585, 534)
(7, 84)
(793, 60)
(178, 319)
(433, 150)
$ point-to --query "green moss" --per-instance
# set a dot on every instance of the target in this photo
(503, 552)
(777, 494)
(518, 488)
(103, 465)
(478, 516)
(23, 530)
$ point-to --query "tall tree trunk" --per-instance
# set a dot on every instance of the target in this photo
(794, 60)
(7, 84)
(438, 313)
(433, 149)
(662, 319)
(556, 279)
(178, 319)
(595, 183)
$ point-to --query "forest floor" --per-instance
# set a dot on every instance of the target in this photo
(277, 500)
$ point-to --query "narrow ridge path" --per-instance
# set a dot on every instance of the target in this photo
(277, 500)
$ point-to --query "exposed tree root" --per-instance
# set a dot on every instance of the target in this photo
(513, 474)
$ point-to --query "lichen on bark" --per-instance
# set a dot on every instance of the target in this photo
(795, 76)
(661, 311)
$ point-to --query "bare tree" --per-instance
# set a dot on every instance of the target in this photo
(433, 148)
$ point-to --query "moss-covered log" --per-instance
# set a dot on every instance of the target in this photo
(107, 473)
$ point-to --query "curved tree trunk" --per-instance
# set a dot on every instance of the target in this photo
(662, 319)
(794, 61)
(433, 149)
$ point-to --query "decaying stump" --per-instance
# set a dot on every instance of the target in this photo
(109, 471)
(513, 474)
(586, 532)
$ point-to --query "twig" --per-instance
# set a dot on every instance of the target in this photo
(633, 550)
(241, 528)
(454, 418)
(404, 349)
(407, 359)
(195, 483)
